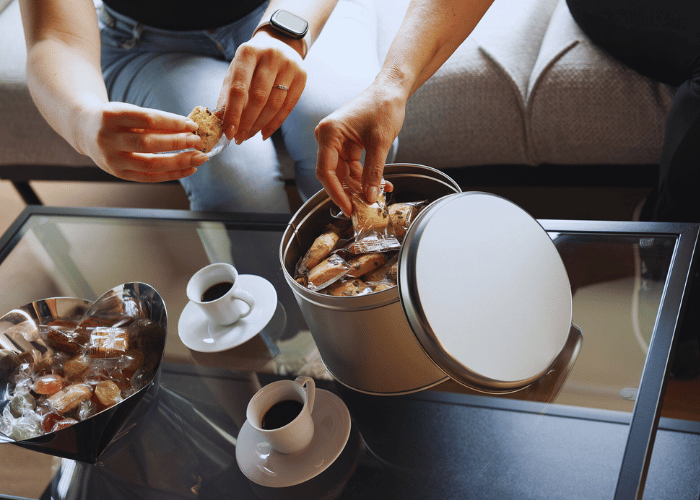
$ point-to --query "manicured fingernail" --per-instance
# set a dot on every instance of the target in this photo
(191, 124)
(230, 131)
(372, 194)
(193, 140)
(198, 159)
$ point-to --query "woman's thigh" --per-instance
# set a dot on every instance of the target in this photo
(658, 38)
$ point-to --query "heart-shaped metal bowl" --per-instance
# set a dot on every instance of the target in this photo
(24, 341)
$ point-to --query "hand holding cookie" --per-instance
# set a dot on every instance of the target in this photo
(210, 127)
(127, 141)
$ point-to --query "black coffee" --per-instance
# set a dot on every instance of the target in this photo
(216, 291)
(281, 414)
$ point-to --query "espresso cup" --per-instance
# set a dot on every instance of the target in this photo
(281, 411)
(216, 290)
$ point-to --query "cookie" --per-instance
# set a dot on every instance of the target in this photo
(369, 216)
(385, 273)
(402, 215)
(328, 271)
(348, 288)
(383, 286)
(321, 247)
(211, 127)
(359, 266)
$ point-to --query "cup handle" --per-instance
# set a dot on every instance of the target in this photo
(245, 297)
(309, 386)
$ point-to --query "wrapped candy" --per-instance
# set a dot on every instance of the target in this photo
(58, 372)
(108, 342)
(48, 384)
(86, 409)
(21, 404)
(108, 393)
(76, 366)
(63, 423)
(69, 398)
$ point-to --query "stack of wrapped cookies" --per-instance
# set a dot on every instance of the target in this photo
(358, 255)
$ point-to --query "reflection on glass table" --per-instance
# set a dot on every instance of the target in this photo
(627, 282)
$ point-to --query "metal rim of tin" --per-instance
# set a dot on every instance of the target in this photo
(433, 341)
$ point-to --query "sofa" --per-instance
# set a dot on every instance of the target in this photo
(526, 99)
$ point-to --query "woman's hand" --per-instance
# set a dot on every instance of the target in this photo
(369, 122)
(250, 93)
(122, 139)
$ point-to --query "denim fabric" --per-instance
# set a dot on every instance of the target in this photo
(178, 70)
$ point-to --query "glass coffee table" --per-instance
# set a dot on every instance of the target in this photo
(624, 424)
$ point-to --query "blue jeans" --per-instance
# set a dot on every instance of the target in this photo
(175, 71)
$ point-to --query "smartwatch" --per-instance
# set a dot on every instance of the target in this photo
(289, 25)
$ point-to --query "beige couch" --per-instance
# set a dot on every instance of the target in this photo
(527, 89)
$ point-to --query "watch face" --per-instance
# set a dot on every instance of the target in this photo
(294, 25)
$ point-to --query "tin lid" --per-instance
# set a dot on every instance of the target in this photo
(485, 291)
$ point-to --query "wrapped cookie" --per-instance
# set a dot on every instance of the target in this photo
(386, 273)
(321, 248)
(211, 126)
(371, 224)
(380, 287)
(327, 272)
(402, 216)
(348, 288)
(363, 264)
(369, 216)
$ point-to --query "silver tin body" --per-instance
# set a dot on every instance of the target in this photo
(366, 342)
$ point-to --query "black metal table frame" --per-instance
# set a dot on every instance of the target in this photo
(647, 409)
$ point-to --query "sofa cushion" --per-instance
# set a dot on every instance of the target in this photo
(26, 138)
(587, 108)
(472, 111)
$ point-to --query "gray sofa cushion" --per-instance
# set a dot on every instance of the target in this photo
(587, 108)
(472, 111)
(526, 88)
(26, 138)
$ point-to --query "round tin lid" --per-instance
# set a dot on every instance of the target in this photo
(485, 291)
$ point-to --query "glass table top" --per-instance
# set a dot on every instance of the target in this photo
(627, 284)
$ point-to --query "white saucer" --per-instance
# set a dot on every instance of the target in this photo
(199, 334)
(267, 467)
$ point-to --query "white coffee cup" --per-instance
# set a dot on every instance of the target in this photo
(222, 303)
(289, 429)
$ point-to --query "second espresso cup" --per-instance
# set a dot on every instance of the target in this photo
(217, 291)
(281, 411)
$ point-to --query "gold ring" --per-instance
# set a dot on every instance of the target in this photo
(281, 87)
